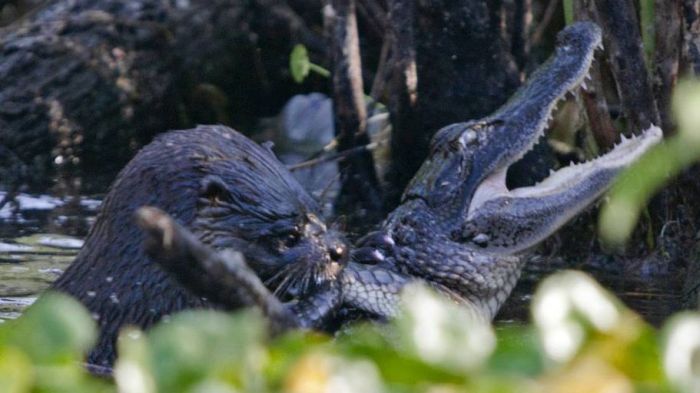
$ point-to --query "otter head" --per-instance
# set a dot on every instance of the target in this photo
(247, 200)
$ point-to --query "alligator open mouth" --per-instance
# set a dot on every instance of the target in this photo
(464, 177)
(514, 220)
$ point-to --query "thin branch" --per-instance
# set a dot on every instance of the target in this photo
(374, 15)
(223, 278)
(520, 39)
(544, 21)
(361, 185)
(594, 101)
(383, 70)
(339, 156)
(668, 24)
(406, 131)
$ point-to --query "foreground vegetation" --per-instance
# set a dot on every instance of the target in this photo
(581, 339)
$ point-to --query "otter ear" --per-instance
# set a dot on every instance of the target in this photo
(213, 188)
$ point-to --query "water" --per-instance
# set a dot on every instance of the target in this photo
(40, 235)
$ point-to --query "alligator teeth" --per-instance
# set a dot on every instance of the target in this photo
(584, 86)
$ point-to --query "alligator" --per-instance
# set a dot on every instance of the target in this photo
(458, 227)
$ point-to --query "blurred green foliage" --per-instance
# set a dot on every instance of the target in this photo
(42, 350)
(636, 185)
(568, 11)
(582, 340)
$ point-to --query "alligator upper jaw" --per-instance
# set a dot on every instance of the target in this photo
(519, 123)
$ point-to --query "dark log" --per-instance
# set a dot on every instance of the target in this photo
(623, 43)
(84, 83)
(464, 70)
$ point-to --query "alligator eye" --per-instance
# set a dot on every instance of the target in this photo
(481, 240)
(467, 138)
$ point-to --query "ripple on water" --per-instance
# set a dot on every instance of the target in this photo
(35, 247)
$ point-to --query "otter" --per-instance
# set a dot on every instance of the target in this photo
(228, 191)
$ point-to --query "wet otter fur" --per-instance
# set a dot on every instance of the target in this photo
(231, 193)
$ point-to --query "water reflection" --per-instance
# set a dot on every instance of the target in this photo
(40, 235)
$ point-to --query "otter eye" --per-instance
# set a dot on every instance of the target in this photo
(292, 240)
(214, 189)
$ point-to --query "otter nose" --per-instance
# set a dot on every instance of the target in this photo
(338, 253)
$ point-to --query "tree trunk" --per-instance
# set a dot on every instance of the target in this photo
(464, 71)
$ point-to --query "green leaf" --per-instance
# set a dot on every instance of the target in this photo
(16, 374)
(517, 351)
(55, 329)
(196, 346)
(299, 63)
